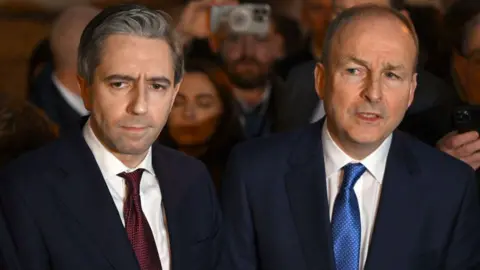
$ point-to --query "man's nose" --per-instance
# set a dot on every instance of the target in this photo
(373, 89)
(139, 104)
(248, 46)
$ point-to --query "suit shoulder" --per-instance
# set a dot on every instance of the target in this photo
(25, 172)
(34, 161)
(274, 146)
(176, 158)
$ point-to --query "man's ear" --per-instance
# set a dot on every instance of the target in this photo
(175, 92)
(320, 78)
(85, 92)
(413, 87)
(177, 87)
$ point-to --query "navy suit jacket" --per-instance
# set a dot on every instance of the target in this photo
(276, 211)
(8, 258)
(46, 96)
(61, 215)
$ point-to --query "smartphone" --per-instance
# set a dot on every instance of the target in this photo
(242, 19)
(466, 118)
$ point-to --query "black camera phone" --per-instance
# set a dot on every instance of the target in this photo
(466, 118)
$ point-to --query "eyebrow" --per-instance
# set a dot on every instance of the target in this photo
(355, 60)
(158, 79)
(390, 66)
(205, 95)
(387, 66)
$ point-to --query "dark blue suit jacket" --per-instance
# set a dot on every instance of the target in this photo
(45, 95)
(276, 213)
(61, 215)
(8, 258)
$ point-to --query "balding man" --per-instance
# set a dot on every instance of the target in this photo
(56, 90)
(303, 106)
(311, 199)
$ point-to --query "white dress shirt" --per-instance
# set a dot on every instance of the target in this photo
(75, 101)
(150, 193)
(367, 189)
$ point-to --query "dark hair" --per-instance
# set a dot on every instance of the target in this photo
(23, 127)
(290, 31)
(397, 4)
(456, 21)
(127, 19)
(349, 15)
(41, 55)
(229, 130)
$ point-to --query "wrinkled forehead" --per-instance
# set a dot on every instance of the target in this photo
(344, 4)
(382, 32)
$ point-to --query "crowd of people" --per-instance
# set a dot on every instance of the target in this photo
(349, 139)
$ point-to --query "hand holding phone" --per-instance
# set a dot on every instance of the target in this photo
(463, 146)
(466, 118)
(241, 19)
(195, 18)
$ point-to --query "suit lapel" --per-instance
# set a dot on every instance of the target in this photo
(170, 188)
(306, 188)
(85, 194)
(400, 196)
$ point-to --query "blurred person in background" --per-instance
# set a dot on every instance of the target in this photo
(40, 57)
(249, 62)
(291, 35)
(204, 121)
(436, 126)
(315, 17)
(23, 128)
(428, 20)
(55, 89)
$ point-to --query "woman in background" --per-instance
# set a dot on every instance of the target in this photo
(204, 121)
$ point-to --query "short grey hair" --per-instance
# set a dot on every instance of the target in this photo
(127, 19)
(349, 15)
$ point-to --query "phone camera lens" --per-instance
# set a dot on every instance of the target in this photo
(259, 18)
(463, 116)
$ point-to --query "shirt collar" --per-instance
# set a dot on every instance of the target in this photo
(75, 101)
(336, 159)
(266, 96)
(111, 166)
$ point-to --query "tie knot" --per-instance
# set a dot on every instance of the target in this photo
(351, 173)
(133, 179)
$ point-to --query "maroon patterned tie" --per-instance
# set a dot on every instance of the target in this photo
(138, 230)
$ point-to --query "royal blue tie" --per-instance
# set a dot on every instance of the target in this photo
(346, 227)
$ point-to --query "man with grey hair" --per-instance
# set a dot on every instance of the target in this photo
(108, 197)
(311, 199)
